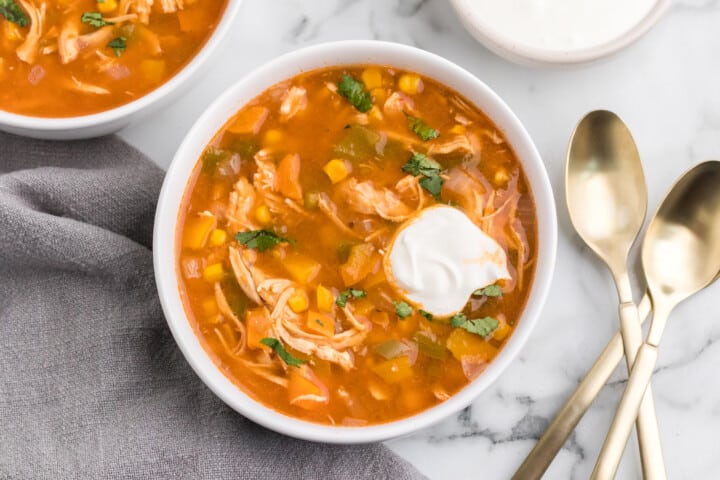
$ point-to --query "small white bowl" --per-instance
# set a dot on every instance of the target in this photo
(509, 48)
(333, 54)
(110, 121)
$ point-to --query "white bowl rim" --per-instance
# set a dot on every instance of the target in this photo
(174, 187)
(52, 124)
(505, 46)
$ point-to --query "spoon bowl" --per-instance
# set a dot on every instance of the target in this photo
(606, 191)
(681, 251)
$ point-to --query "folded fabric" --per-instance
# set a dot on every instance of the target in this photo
(92, 384)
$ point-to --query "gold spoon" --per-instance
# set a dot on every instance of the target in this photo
(607, 201)
(557, 433)
(680, 256)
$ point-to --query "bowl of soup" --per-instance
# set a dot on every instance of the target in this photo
(354, 241)
(88, 67)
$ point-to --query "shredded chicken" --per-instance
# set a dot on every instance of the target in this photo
(294, 101)
(458, 144)
(68, 42)
(127, 17)
(398, 102)
(141, 7)
(240, 205)
(287, 325)
(88, 87)
(243, 275)
(171, 6)
(264, 178)
(71, 45)
(327, 207)
(227, 312)
(28, 50)
(264, 181)
(282, 317)
(364, 197)
(495, 212)
(266, 370)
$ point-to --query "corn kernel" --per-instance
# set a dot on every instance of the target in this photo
(410, 84)
(298, 301)
(325, 299)
(12, 32)
(107, 6)
(501, 332)
(375, 113)
(272, 137)
(197, 230)
(501, 177)
(458, 129)
(214, 272)
(336, 170)
(209, 306)
(218, 237)
(262, 214)
(279, 252)
(372, 78)
(379, 95)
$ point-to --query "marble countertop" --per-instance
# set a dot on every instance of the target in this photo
(667, 89)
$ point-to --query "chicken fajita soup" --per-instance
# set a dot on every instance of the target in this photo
(356, 245)
(64, 58)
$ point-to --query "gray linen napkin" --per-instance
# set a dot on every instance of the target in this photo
(92, 384)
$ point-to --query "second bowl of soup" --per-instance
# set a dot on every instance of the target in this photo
(86, 68)
(354, 242)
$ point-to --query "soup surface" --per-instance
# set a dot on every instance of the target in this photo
(309, 236)
(62, 58)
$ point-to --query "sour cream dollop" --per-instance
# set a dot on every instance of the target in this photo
(438, 258)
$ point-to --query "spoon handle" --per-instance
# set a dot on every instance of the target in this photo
(653, 464)
(542, 455)
(614, 446)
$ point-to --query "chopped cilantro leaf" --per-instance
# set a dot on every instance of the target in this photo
(260, 240)
(118, 44)
(345, 295)
(212, 157)
(425, 314)
(354, 91)
(489, 291)
(95, 19)
(13, 13)
(479, 326)
(403, 310)
(275, 344)
(420, 165)
(422, 129)
(433, 185)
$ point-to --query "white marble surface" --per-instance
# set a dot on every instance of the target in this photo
(667, 88)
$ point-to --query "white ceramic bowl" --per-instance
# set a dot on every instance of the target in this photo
(287, 66)
(508, 47)
(110, 121)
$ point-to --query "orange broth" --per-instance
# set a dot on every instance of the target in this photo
(289, 163)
